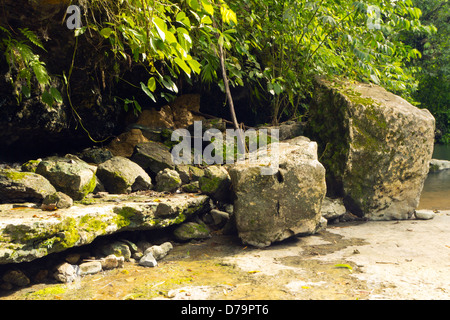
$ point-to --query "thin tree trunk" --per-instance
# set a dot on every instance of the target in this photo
(241, 144)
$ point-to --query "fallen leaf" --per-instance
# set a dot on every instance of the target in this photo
(254, 271)
(343, 265)
(306, 287)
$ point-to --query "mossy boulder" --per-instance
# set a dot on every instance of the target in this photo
(168, 180)
(375, 146)
(27, 233)
(69, 175)
(17, 186)
(58, 199)
(153, 157)
(121, 175)
(216, 183)
(191, 231)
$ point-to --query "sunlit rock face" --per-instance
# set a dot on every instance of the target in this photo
(375, 146)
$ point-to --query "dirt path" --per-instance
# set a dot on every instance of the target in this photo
(364, 260)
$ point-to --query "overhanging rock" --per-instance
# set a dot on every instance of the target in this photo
(28, 233)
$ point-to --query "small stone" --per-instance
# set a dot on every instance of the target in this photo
(167, 180)
(6, 286)
(148, 260)
(66, 273)
(59, 199)
(143, 245)
(73, 258)
(192, 187)
(425, 214)
(219, 217)
(191, 230)
(159, 252)
(109, 262)
(40, 276)
(16, 277)
(90, 267)
(117, 248)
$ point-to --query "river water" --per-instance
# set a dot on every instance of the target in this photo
(436, 192)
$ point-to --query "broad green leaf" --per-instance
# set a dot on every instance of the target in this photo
(183, 19)
(147, 91)
(343, 265)
(160, 27)
(195, 65)
(106, 32)
(208, 7)
(47, 98)
(206, 20)
(169, 84)
(193, 4)
(56, 95)
(26, 91)
(183, 65)
(170, 37)
(151, 84)
(41, 72)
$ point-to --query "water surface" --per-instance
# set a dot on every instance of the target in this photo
(436, 192)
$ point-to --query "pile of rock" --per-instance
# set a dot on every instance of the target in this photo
(74, 265)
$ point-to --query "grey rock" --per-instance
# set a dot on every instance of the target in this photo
(191, 231)
(26, 237)
(148, 260)
(66, 273)
(30, 165)
(153, 156)
(69, 174)
(192, 187)
(96, 155)
(73, 258)
(333, 208)
(16, 186)
(121, 175)
(90, 267)
(216, 183)
(16, 277)
(117, 248)
(376, 147)
(424, 214)
(168, 180)
(160, 251)
(439, 165)
(111, 262)
(275, 203)
(59, 199)
(219, 218)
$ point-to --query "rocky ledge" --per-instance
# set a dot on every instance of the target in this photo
(28, 232)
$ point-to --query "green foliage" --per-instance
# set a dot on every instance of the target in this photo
(24, 64)
(274, 47)
(433, 70)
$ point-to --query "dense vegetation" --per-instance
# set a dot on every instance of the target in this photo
(273, 48)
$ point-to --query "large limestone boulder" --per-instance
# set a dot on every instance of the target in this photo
(16, 186)
(121, 175)
(375, 146)
(153, 157)
(69, 175)
(274, 207)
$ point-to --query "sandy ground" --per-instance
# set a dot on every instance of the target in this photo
(388, 260)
